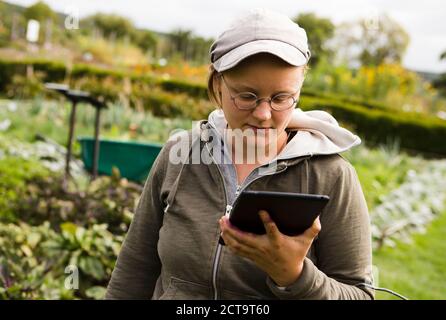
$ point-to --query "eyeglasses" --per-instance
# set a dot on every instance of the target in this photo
(249, 101)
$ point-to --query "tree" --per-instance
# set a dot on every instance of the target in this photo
(3, 16)
(4, 35)
(40, 11)
(440, 83)
(200, 49)
(180, 40)
(110, 25)
(319, 32)
(374, 42)
(189, 46)
(2, 11)
(144, 39)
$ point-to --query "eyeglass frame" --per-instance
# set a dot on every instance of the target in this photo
(258, 100)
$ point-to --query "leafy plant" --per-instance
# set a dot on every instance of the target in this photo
(34, 259)
(27, 271)
(14, 173)
(32, 190)
(411, 206)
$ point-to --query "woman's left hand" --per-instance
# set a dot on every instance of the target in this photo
(279, 255)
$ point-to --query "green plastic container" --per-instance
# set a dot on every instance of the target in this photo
(133, 159)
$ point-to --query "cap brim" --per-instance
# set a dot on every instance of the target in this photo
(283, 50)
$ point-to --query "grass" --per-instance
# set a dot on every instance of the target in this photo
(416, 270)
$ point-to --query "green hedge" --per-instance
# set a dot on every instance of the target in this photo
(308, 92)
(53, 71)
(414, 132)
(57, 71)
(194, 90)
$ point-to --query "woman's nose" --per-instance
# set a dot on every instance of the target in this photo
(263, 111)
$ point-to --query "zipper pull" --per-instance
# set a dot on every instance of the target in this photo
(228, 210)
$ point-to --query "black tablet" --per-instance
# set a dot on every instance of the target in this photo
(293, 213)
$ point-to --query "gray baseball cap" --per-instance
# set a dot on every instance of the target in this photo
(260, 30)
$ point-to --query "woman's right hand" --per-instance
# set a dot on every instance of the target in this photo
(279, 255)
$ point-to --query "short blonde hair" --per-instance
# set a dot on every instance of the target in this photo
(213, 96)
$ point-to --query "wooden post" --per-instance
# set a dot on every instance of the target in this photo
(69, 143)
(96, 142)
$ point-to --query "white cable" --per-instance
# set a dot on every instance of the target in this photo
(383, 289)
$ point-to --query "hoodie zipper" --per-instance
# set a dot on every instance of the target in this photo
(227, 212)
(219, 246)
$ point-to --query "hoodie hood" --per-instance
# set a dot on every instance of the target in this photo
(318, 132)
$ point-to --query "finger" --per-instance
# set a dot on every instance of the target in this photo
(314, 230)
(237, 247)
(239, 250)
(271, 228)
(248, 239)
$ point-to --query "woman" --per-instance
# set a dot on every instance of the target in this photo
(172, 249)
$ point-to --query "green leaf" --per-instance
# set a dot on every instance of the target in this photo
(97, 292)
(69, 227)
(92, 267)
(33, 239)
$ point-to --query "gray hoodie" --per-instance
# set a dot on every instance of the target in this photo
(171, 250)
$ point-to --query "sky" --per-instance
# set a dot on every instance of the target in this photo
(425, 21)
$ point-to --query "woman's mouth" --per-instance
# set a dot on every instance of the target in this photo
(258, 129)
